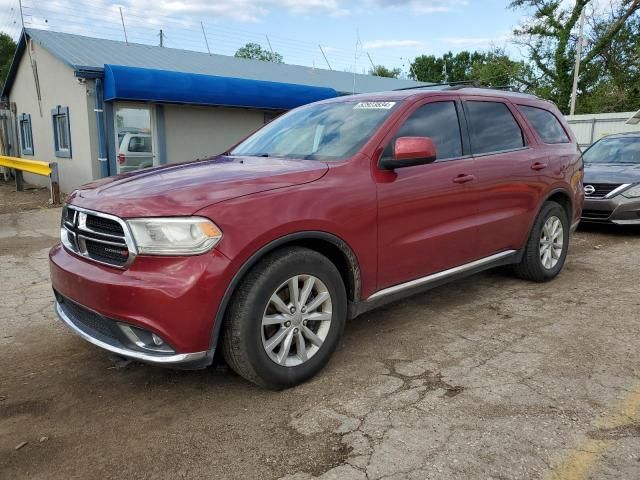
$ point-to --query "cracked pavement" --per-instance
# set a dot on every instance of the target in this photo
(489, 377)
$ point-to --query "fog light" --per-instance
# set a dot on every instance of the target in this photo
(145, 339)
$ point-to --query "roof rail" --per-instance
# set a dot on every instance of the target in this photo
(509, 88)
(445, 84)
(466, 84)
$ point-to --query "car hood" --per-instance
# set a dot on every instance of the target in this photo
(611, 173)
(183, 189)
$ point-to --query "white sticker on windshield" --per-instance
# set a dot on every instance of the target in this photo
(375, 105)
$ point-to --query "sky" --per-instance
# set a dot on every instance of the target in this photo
(390, 32)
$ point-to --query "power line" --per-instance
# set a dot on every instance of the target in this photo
(142, 28)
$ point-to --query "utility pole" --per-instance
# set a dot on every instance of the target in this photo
(576, 72)
(124, 29)
(269, 43)
(355, 58)
(21, 14)
(371, 61)
(205, 38)
(325, 57)
(161, 38)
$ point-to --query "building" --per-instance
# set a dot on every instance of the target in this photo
(591, 127)
(100, 107)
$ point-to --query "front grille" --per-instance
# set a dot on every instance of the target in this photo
(88, 321)
(601, 189)
(104, 225)
(117, 255)
(96, 236)
(595, 214)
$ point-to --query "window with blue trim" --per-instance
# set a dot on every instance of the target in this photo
(26, 135)
(61, 131)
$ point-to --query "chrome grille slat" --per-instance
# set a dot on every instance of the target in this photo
(601, 190)
(105, 246)
(89, 230)
(105, 242)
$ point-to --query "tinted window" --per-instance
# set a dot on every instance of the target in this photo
(436, 120)
(493, 127)
(546, 124)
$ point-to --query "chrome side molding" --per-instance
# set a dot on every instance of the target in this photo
(442, 275)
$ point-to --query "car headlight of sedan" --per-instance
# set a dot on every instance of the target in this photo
(174, 235)
(633, 192)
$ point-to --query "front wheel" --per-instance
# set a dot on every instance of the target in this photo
(547, 246)
(286, 318)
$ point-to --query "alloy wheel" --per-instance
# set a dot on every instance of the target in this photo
(297, 320)
(551, 242)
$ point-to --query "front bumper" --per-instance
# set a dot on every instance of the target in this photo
(618, 210)
(119, 347)
(176, 298)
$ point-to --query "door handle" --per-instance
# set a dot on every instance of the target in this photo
(538, 166)
(463, 178)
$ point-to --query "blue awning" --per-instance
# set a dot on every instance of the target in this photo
(165, 86)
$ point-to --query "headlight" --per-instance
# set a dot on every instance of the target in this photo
(174, 236)
(633, 192)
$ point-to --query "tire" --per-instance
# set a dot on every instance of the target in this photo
(532, 266)
(245, 338)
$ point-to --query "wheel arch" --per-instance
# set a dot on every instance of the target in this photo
(562, 197)
(327, 244)
(559, 195)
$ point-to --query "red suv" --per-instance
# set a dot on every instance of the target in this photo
(330, 210)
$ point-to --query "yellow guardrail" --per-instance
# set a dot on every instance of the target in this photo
(46, 169)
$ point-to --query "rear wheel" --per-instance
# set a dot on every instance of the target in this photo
(547, 246)
(286, 318)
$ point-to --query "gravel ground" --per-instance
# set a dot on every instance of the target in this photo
(490, 377)
(32, 198)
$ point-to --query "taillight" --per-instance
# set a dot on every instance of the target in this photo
(121, 158)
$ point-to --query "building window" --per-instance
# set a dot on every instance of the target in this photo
(26, 135)
(61, 131)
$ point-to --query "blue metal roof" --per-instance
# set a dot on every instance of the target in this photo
(88, 53)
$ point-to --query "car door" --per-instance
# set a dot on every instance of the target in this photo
(425, 213)
(508, 189)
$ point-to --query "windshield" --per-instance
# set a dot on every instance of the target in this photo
(329, 131)
(614, 150)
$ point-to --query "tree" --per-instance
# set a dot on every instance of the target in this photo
(7, 49)
(612, 82)
(382, 71)
(256, 52)
(550, 39)
(491, 68)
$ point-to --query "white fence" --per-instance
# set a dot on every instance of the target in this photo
(591, 127)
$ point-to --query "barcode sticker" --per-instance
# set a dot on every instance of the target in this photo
(374, 105)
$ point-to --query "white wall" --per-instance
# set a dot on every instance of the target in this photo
(591, 127)
(200, 132)
(58, 86)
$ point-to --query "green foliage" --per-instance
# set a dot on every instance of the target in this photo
(7, 49)
(609, 60)
(609, 78)
(382, 71)
(491, 68)
(256, 52)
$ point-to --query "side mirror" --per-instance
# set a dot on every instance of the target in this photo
(411, 151)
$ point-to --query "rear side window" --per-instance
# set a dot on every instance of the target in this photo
(140, 144)
(437, 120)
(493, 128)
(545, 124)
